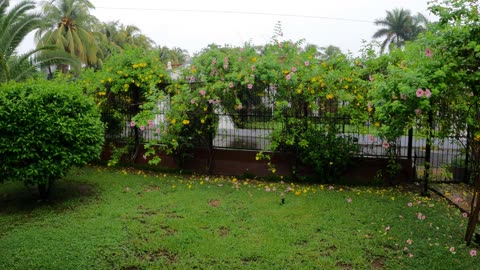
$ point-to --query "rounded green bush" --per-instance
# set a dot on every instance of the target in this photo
(46, 127)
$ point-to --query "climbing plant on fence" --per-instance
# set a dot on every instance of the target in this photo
(126, 83)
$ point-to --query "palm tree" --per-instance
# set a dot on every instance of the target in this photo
(399, 26)
(115, 37)
(68, 25)
(176, 56)
(15, 25)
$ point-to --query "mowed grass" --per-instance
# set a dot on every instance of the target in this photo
(103, 218)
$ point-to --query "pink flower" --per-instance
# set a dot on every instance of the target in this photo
(385, 145)
(157, 130)
(225, 66)
(349, 200)
(250, 86)
(230, 85)
(202, 92)
(253, 67)
(192, 101)
(473, 252)
(403, 96)
(239, 107)
(428, 93)
(371, 138)
(142, 128)
(370, 78)
(210, 101)
(428, 52)
(410, 255)
(418, 111)
(410, 204)
(132, 124)
(465, 215)
(214, 61)
(420, 216)
(387, 229)
(307, 63)
(294, 69)
(452, 249)
(267, 189)
(409, 241)
(330, 187)
(420, 92)
(288, 77)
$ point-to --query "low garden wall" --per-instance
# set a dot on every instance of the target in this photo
(364, 170)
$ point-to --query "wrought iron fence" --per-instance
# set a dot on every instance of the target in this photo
(446, 159)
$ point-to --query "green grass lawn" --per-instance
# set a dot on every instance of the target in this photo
(102, 218)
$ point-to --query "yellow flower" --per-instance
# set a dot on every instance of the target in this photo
(119, 72)
(346, 87)
(254, 59)
(135, 66)
(477, 137)
(202, 121)
(126, 86)
(101, 93)
(370, 109)
(173, 121)
(299, 91)
(109, 79)
(330, 96)
(377, 124)
(102, 81)
(186, 122)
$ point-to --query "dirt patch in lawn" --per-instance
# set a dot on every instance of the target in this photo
(214, 203)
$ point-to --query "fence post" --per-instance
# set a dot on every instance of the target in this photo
(466, 175)
(428, 149)
(410, 144)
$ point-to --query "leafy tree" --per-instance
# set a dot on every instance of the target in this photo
(15, 24)
(68, 25)
(399, 26)
(454, 48)
(47, 127)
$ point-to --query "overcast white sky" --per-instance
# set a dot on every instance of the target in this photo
(178, 23)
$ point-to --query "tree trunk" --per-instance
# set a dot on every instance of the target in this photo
(45, 189)
(474, 212)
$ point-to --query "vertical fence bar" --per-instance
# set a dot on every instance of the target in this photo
(428, 149)
(466, 175)
(410, 144)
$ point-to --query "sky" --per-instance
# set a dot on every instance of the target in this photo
(193, 24)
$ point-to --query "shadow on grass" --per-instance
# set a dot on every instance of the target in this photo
(66, 195)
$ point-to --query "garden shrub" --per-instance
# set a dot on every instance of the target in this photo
(328, 153)
(46, 128)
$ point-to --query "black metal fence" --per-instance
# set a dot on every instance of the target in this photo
(444, 159)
